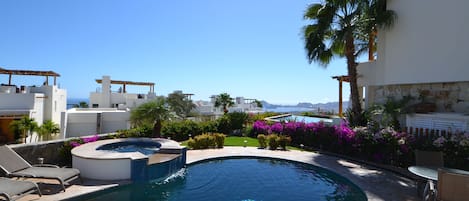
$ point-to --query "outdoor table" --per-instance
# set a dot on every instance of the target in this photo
(431, 174)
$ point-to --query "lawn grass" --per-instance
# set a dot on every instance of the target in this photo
(239, 141)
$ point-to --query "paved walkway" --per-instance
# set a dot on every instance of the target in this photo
(377, 184)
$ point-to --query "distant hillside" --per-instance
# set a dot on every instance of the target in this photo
(300, 107)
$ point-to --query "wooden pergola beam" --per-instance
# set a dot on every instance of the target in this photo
(125, 83)
(343, 78)
(31, 73)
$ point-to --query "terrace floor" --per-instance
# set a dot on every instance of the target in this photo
(378, 184)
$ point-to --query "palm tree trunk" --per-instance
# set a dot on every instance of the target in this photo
(352, 72)
(371, 44)
(25, 136)
(157, 129)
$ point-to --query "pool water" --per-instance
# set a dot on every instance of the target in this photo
(146, 148)
(306, 119)
(239, 179)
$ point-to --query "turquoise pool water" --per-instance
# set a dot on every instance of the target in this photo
(240, 179)
(144, 147)
(298, 118)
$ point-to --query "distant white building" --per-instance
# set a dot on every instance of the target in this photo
(110, 110)
(105, 98)
(41, 102)
(241, 105)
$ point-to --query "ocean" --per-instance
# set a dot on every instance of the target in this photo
(74, 101)
(289, 109)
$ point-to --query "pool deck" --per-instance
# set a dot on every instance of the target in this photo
(378, 184)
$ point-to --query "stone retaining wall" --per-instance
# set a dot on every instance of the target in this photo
(49, 150)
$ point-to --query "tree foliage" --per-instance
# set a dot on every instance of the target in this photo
(180, 104)
(25, 126)
(47, 129)
(224, 100)
(154, 112)
(342, 28)
(81, 104)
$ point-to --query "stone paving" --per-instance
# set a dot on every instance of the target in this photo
(376, 183)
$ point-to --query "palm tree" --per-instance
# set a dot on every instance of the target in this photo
(47, 129)
(24, 126)
(224, 100)
(340, 28)
(376, 16)
(154, 112)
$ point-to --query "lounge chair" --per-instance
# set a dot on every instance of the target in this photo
(15, 166)
(452, 185)
(14, 189)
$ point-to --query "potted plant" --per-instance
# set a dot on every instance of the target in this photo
(425, 105)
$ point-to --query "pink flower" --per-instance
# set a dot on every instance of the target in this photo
(90, 139)
(74, 144)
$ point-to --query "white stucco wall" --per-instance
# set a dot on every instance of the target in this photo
(113, 121)
(84, 122)
(118, 169)
(429, 43)
(123, 100)
(55, 101)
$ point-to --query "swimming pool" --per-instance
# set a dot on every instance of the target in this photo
(240, 179)
(298, 118)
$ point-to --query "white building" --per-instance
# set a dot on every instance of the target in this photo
(105, 98)
(42, 102)
(425, 52)
(110, 110)
(241, 105)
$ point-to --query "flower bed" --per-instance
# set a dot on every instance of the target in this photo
(385, 146)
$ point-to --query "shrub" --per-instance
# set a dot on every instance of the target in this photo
(277, 128)
(219, 139)
(203, 141)
(283, 141)
(262, 139)
(191, 143)
(237, 119)
(145, 130)
(272, 140)
(180, 130)
(224, 124)
(248, 131)
(208, 126)
(65, 150)
(261, 127)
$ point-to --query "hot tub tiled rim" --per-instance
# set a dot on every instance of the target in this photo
(88, 150)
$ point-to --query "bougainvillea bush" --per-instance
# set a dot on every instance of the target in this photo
(385, 146)
(65, 150)
(455, 148)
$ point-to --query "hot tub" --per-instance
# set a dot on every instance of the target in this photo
(136, 159)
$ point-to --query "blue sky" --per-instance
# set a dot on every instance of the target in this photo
(243, 47)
